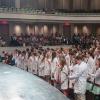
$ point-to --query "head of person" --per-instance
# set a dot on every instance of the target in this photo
(19, 52)
(97, 51)
(97, 43)
(89, 54)
(58, 53)
(79, 59)
(66, 51)
(47, 55)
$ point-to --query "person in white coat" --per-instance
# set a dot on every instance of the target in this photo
(67, 57)
(80, 76)
(18, 60)
(30, 63)
(96, 75)
(41, 66)
(90, 62)
(63, 73)
(47, 68)
(96, 80)
(22, 59)
(35, 64)
(53, 67)
(26, 61)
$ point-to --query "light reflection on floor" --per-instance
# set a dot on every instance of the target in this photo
(16, 84)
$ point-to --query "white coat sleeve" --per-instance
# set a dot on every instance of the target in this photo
(77, 74)
(96, 75)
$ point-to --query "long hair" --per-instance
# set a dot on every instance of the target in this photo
(44, 55)
(53, 55)
(62, 61)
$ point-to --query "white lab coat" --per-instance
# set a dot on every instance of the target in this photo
(39, 62)
(96, 75)
(41, 69)
(80, 76)
(64, 78)
(47, 68)
(73, 69)
(15, 56)
(56, 68)
(35, 65)
(26, 62)
(67, 57)
(30, 64)
(18, 61)
(53, 68)
(91, 65)
(22, 62)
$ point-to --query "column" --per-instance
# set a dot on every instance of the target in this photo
(17, 3)
(72, 29)
(61, 28)
(95, 4)
(76, 4)
(70, 5)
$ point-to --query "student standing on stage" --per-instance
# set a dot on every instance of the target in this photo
(30, 62)
(41, 66)
(53, 67)
(63, 75)
(96, 75)
(90, 62)
(18, 59)
(55, 72)
(47, 68)
(80, 77)
(35, 64)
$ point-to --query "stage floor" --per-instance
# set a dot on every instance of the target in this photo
(16, 84)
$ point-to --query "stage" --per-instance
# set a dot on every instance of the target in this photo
(16, 84)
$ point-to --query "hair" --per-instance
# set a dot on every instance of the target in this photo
(27, 50)
(79, 57)
(29, 54)
(47, 55)
(23, 53)
(62, 61)
(44, 54)
(19, 52)
(53, 55)
(90, 53)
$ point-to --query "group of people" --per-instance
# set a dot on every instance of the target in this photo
(77, 39)
(64, 68)
(38, 39)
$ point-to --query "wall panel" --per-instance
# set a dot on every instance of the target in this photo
(7, 3)
(41, 4)
(95, 4)
(66, 4)
(29, 4)
(77, 4)
(49, 4)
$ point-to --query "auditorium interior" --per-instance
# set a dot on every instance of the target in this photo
(50, 24)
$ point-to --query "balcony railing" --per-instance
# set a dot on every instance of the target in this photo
(31, 11)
